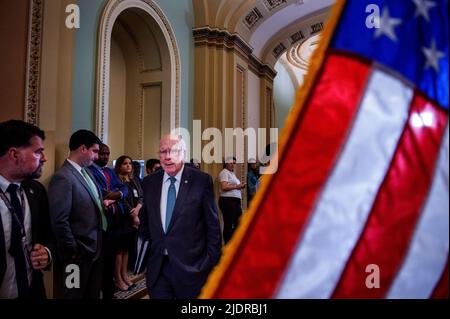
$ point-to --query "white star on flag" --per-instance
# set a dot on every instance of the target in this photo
(422, 7)
(387, 25)
(433, 56)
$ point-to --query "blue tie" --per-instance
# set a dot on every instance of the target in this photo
(171, 198)
(16, 248)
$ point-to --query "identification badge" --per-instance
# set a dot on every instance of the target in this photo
(135, 192)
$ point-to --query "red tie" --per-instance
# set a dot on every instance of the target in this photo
(108, 178)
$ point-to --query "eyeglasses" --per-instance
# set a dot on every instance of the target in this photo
(171, 152)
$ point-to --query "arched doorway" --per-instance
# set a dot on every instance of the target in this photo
(138, 78)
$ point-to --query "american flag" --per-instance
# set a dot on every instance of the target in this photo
(359, 206)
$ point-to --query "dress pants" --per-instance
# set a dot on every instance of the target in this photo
(231, 212)
(168, 287)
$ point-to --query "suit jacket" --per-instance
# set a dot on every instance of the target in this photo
(116, 185)
(193, 239)
(40, 232)
(75, 217)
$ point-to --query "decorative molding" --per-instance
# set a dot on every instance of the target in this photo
(252, 18)
(224, 39)
(297, 36)
(33, 73)
(260, 68)
(294, 35)
(240, 112)
(316, 27)
(272, 4)
(299, 54)
(278, 50)
(220, 38)
(270, 111)
(112, 10)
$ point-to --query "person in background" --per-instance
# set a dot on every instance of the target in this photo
(230, 198)
(113, 191)
(195, 163)
(78, 217)
(127, 223)
(252, 179)
(137, 171)
(25, 237)
(152, 165)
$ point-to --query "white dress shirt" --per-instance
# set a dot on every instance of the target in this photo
(8, 288)
(165, 190)
(76, 165)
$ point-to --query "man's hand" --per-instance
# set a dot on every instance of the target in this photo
(135, 211)
(39, 257)
(114, 195)
(108, 202)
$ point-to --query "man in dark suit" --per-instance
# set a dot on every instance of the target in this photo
(24, 221)
(78, 219)
(113, 192)
(180, 221)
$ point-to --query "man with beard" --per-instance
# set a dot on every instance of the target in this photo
(113, 191)
(78, 219)
(24, 219)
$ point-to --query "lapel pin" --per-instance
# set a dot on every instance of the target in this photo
(31, 191)
(185, 181)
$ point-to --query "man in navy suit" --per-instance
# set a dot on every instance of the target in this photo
(180, 221)
(113, 191)
(24, 218)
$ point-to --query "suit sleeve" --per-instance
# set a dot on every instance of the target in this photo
(60, 203)
(213, 233)
(45, 235)
(144, 231)
(117, 185)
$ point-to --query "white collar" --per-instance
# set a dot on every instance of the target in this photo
(76, 165)
(4, 183)
(177, 177)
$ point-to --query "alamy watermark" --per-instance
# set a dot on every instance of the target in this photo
(262, 145)
(73, 17)
(72, 276)
(373, 19)
(373, 279)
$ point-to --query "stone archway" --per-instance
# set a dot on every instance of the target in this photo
(138, 78)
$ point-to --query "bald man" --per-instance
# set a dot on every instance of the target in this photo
(181, 222)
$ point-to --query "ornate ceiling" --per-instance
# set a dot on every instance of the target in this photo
(269, 27)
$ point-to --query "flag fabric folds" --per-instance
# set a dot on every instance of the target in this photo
(359, 206)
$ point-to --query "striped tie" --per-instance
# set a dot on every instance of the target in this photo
(95, 194)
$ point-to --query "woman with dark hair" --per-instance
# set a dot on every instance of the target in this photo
(128, 223)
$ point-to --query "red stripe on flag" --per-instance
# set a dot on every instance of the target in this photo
(441, 289)
(388, 231)
(268, 244)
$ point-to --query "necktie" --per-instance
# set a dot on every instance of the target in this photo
(107, 177)
(171, 198)
(95, 194)
(16, 248)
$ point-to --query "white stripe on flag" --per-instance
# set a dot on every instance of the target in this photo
(347, 199)
(429, 248)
